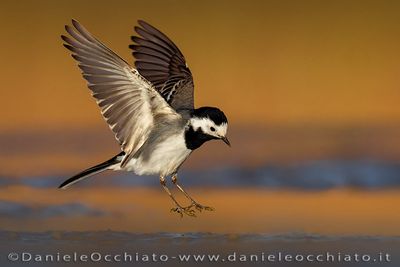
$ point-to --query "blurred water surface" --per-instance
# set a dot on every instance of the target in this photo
(230, 248)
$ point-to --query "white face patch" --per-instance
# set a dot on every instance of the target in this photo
(209, 127)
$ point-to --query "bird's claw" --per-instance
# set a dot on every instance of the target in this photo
(184, 210)
(201, 207)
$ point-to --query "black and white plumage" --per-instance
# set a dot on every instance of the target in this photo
(150, 109)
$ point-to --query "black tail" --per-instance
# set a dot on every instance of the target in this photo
(92, 171)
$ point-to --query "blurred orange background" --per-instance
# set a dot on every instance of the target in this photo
(300, 81)
(262, 62)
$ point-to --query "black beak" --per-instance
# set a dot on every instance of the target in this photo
(226, 141)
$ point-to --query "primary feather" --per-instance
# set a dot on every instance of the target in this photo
(161, 62)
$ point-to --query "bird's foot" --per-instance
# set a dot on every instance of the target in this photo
(189, 211)
(199, 207)
(184, 210)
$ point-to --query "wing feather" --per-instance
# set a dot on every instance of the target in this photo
(161, 62)
(128, 102)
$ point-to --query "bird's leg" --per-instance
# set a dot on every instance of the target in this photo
(179, 209)
(193, 202)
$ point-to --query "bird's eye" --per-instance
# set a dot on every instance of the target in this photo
(212, 129)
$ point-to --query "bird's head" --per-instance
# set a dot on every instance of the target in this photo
(210, 122)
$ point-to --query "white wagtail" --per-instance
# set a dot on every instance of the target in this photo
(150, 109)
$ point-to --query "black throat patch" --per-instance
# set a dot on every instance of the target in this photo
(194, 139)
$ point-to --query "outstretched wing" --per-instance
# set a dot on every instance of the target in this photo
(128, 103)
(160, 61)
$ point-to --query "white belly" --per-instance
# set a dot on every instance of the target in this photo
(165, 159)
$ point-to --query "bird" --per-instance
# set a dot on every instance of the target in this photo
(149, 107)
